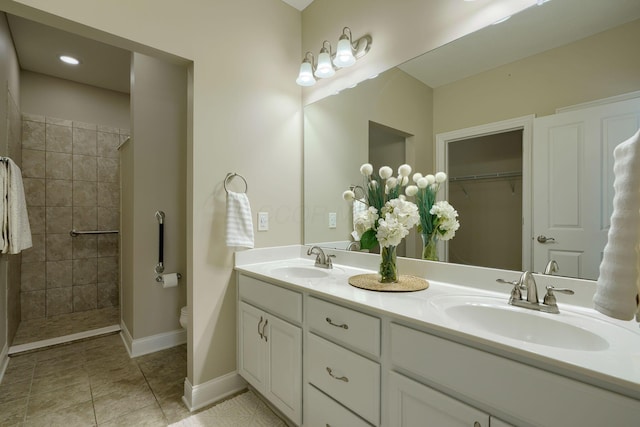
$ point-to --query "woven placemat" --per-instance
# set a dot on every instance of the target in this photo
(404, 284)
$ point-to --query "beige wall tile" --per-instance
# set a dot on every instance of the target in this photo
(108, 194)
(85, 297)
(59, 301)
(36, 219)
(85, 218)
(85, 125)
(59, 219)
(84, 141)
(85, 168)
(34, 191)
(37, 251)
(59, 247)
(33, 163)
(33, 135)
(108, 144)
(59, 192)
(59, 165)
(59, 139)
(108, 245)
(108, 295)
(108, 218)
(32, 276)
(85, 247)
(108, 269)
(85, 193)
(58, 121)
(32, 304)
(85, 271)
(108, 169)
(33, 117)
(59, 274)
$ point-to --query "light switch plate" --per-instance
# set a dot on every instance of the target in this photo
(263, 221)
(333, 219)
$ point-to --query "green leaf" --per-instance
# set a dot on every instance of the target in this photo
(368, 240)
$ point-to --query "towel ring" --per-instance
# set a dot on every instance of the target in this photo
(230, 176)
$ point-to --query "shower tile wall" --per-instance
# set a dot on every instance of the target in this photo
(71, 178)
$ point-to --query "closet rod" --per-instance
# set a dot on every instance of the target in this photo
(485, 176)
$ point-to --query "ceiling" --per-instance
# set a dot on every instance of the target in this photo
(298, 4)
(38, 47)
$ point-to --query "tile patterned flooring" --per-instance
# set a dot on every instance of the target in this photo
(95, 382)
(66, 324)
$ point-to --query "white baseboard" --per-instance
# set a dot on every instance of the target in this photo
(4, 361)
(153, 343)
(201, 395)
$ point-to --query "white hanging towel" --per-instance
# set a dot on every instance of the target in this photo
(19, 230)
(239, 223)
(618, 285)
(4, 207)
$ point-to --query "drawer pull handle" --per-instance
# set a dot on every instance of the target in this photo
(266, 322)
(343, 326)
(476, 424)
(260, 323)
(330, 371)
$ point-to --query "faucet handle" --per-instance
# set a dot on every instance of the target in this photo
(328, 260)
(517, 287)
(550, 298)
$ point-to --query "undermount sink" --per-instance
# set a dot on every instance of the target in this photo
(494, 316)
(301, 272)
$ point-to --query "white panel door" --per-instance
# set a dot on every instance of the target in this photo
(573, 184)
(284, 363)
(412, 404)
(251, 349)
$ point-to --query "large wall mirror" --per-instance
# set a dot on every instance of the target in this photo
(562, 53)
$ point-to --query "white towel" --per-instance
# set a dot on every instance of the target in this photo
(619, 282)
(239, 223)
(4, 207)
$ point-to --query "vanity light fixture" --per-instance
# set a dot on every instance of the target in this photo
(69, 59)
(305, 77)
(347, 53)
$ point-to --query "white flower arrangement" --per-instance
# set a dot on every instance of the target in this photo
(389, 216)
(445, 222)
(435, 217)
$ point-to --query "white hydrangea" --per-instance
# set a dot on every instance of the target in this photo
(390, 232)
(446, 222)
(365, 221)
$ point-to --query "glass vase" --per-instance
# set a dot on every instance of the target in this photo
(388, 268)
(429, 247)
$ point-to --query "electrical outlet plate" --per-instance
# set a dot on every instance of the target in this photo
(263, 221)
(333, 219)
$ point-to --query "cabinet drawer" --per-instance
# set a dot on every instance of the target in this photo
(322, 411)
(344, 325)
(347, 377)
(279, 301)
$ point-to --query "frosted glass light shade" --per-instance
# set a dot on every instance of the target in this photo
(305, 77)
(344, 53)
(324, 69)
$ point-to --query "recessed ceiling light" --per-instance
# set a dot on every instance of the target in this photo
(69, 60)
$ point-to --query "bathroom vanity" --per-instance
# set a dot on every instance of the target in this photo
(327, 354)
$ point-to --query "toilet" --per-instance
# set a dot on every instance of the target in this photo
(184, 317)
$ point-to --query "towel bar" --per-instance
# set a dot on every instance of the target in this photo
(74, 232)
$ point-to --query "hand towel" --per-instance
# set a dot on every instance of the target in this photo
(239, 223)
(19, 231)
(4, 190)
(619, 281)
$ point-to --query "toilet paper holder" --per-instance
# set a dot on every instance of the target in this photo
(159, 278)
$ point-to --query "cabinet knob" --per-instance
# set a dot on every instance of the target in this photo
(342, 325)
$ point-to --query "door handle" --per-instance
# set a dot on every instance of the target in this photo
(260, 323)
(544, 239)
(264, 334)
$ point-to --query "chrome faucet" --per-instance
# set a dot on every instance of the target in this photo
(527, 283)
(353, 246)
(552, 267)
(322, 260)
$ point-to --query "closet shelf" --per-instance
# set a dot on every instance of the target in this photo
(486, 176)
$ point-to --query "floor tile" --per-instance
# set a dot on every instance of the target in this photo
(12, 413)
(150, 416)
(14, 391)
(59, 399)
(78, 415)
(117, 403)
(59, 380)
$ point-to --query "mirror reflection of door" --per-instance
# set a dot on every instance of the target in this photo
(485, 187)
(388, 147)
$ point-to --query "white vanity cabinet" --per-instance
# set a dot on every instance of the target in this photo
(412, 404)
(270, 348)
(341, 343)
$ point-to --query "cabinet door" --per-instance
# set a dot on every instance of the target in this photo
(284, 362)
(251, 350)
(412, 404)
(495, 422)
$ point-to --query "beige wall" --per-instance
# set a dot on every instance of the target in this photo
(401, 30)
(599, 66)
(53, 97)
(337, 143)
(247, 118)
(155, 179)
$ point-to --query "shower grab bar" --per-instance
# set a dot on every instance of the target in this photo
(74, 232)
(160, 265)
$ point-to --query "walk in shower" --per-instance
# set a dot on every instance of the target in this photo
(69, 282)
